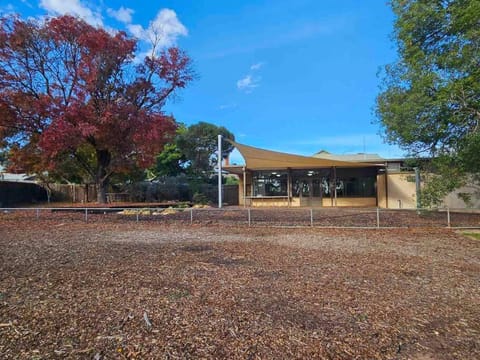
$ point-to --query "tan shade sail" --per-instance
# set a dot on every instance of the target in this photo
(260, 159)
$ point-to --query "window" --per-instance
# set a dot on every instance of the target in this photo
(270, 183)
(307, 183)
(356, 186)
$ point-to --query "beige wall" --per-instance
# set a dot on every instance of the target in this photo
(355, 202)
(266, 202)
(453, 201)
(241, 187)
(401, 192)
(382, 198)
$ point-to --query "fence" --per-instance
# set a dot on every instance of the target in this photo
(74, 192)
(336, 217)
(146, 191)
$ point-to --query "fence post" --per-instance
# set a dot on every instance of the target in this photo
(448, 217)
(191, 216)
(311, 217)
(86, 214)
(138, 214)
(249, 217)
(38, 213)
(378, 217)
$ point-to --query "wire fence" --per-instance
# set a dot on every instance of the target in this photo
(301, 217)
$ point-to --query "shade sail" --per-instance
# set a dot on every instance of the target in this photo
(260, 159)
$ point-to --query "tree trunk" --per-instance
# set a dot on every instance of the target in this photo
(102, 179)
(102, 188)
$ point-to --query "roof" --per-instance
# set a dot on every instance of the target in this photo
(5, 176)
(362, 157)
(261, 159)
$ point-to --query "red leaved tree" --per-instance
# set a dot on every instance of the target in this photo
(72, 93)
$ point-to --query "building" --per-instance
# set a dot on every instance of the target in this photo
(271, 178)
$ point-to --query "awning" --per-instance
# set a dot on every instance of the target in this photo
(260, 159)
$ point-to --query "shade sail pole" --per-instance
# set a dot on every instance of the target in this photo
(219, 171)
(244, 187)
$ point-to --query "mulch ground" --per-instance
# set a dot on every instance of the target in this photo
(150, 290)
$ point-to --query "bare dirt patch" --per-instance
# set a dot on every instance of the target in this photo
(150, 290)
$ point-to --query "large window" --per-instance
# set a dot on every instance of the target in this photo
(316, 183)
(270, 183)
(307, 183)
(356, 186)
(356, 182)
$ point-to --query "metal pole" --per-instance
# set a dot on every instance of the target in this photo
(311, 217)
(86, 214)
(249, 217)
(244, 187)
(191, 216)
(378, 217)
(448, 217)
(38, 213)
(219, 171)
(137, 216)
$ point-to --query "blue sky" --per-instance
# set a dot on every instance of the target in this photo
(293, 76)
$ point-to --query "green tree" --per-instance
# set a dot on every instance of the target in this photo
(198, 143)
(429, 103)
(171, 161)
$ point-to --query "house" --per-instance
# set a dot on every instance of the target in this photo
(271, 178)
(6, 176)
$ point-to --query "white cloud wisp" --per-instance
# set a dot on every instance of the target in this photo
(163, 31)
(250, 82)
(124, 15)
(72, 7)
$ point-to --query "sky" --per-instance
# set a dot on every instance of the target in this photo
(292, 76)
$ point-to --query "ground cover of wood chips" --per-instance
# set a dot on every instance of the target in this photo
(149, 290)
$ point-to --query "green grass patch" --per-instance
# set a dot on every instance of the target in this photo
(472, 235)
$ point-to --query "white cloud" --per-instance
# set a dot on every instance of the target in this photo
(73, 7)
(123, 14)
(248, 83)
(257, 66)
(136, 30)
(163, 31)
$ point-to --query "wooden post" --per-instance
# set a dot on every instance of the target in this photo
(335, 184)
(386, 187)
(417, 186)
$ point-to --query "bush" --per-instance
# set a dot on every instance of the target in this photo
(199, 198)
